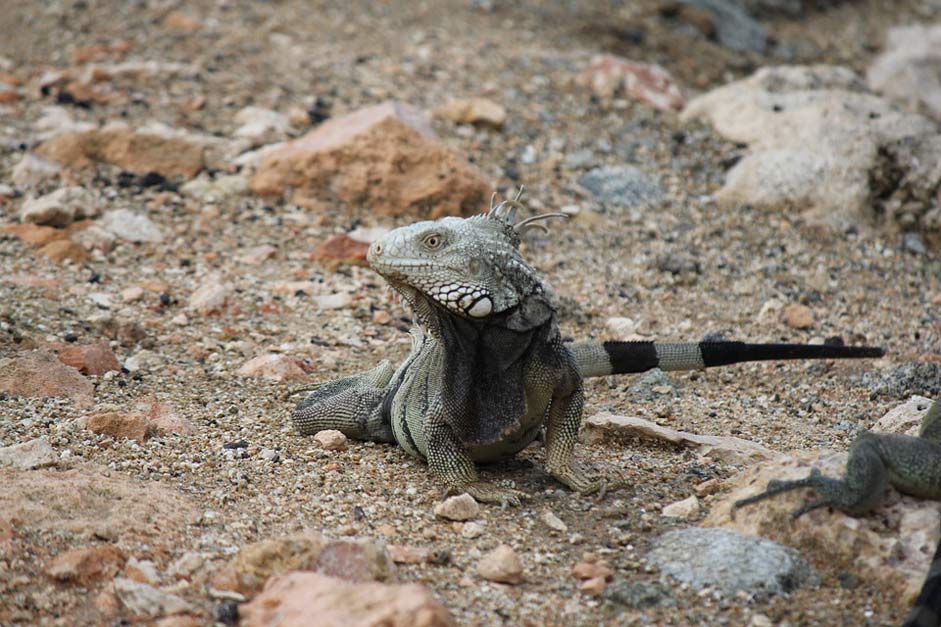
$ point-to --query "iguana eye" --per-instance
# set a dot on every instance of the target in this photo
(433, 241)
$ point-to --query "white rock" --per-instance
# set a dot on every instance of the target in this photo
(460, 507)
(130, 226)
(142, 599)
(219, 188)
(211, 295)
(58, 120)
(261, 126)
(501, 565)
(905, 418)
(333, 301)
(186, 565)
(687, 509)
(60, 208)
(553, 522)
(331, 440)
(909, 71)
(145, 568)
(473, 529)
(30, 455)
(31, 171)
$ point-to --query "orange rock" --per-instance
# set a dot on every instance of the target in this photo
(10, 79)
(34, 234)
(85, 565)
(136, 152)
(40, 374)
(94, 359)
(608, 75)
(291, 600)
(182, 22)
(588, 570)
(163, 418)
(341, 248)
(593, 587)
(798, 316)
(273, 366)
(8, 96)
(120, 425)
(100, 52)
(385, 157)
(409, 554)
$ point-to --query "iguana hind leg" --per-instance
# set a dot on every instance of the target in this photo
(859, 491)
(352, 405)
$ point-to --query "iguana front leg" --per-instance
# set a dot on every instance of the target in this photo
(565, 419)
(352, 405)
(449, 461)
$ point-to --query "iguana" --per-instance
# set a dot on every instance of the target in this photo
(488, 368)
(912, 465)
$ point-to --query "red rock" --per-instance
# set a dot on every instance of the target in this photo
(40, 374)
(120, 425)
(61, 250)
(136, 152)
(385, 157)
(93, 359)
(356, 561)
(164, 419)
(609, 74)
(9, 96)
(85, 565)
(593, 587)
(34, 234)
(341, 248)
(292, 600)
(273, 366)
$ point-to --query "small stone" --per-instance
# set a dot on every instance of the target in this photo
(93, 359)
(186, 565)
(177, 20)
(381, 316)
(624, 329)
(32, 171)
(410, 554)
(501, 565)
(37, 453)
(132, 294)
(211, 296)
(553, 522)
(707, 487)
(472, 529)
(798, 316)
(473, 111)
(115, 424)
(130, 226)
(759, 620)
(144, 600)
(341, 248)
(339, 300)
(593, 587)
(592, 570)
(274, 366)
(687, 509)
(86, 565)
(331, 440)
(257, 255)
(261, 126)
(461, 507)
(60, 251)
(60, 208)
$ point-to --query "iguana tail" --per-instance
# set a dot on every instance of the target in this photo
(927, 609)
(603, 358)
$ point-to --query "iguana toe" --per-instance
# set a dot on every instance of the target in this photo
(584, 482)
(489, 493)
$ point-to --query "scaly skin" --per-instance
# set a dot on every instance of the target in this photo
(488, 370)
(910, 464)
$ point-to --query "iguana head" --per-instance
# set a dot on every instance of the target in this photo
(469, 267)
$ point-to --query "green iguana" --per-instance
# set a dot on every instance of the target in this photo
(912, 465)
(488, 368)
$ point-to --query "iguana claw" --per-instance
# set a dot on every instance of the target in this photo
(489, 493)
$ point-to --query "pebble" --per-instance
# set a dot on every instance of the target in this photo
(86, 565)
(553, 522)
(481, 111)
(273, 366)
(37, 453)
(211, 296)
(461, 507)
(60, 208)
(144, 600)
(686, 509)
(330, 439)
(93, 359)
(472, 529)
(798, 316)
(130, 226)
(501, 565)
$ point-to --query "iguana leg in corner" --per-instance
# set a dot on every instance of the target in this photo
(352, 405)
(911, 464)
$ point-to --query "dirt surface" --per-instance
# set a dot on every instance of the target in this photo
(861, 285)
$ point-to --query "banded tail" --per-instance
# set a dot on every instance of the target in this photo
(598, 359)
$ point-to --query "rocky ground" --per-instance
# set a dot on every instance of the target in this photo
(171, 272)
